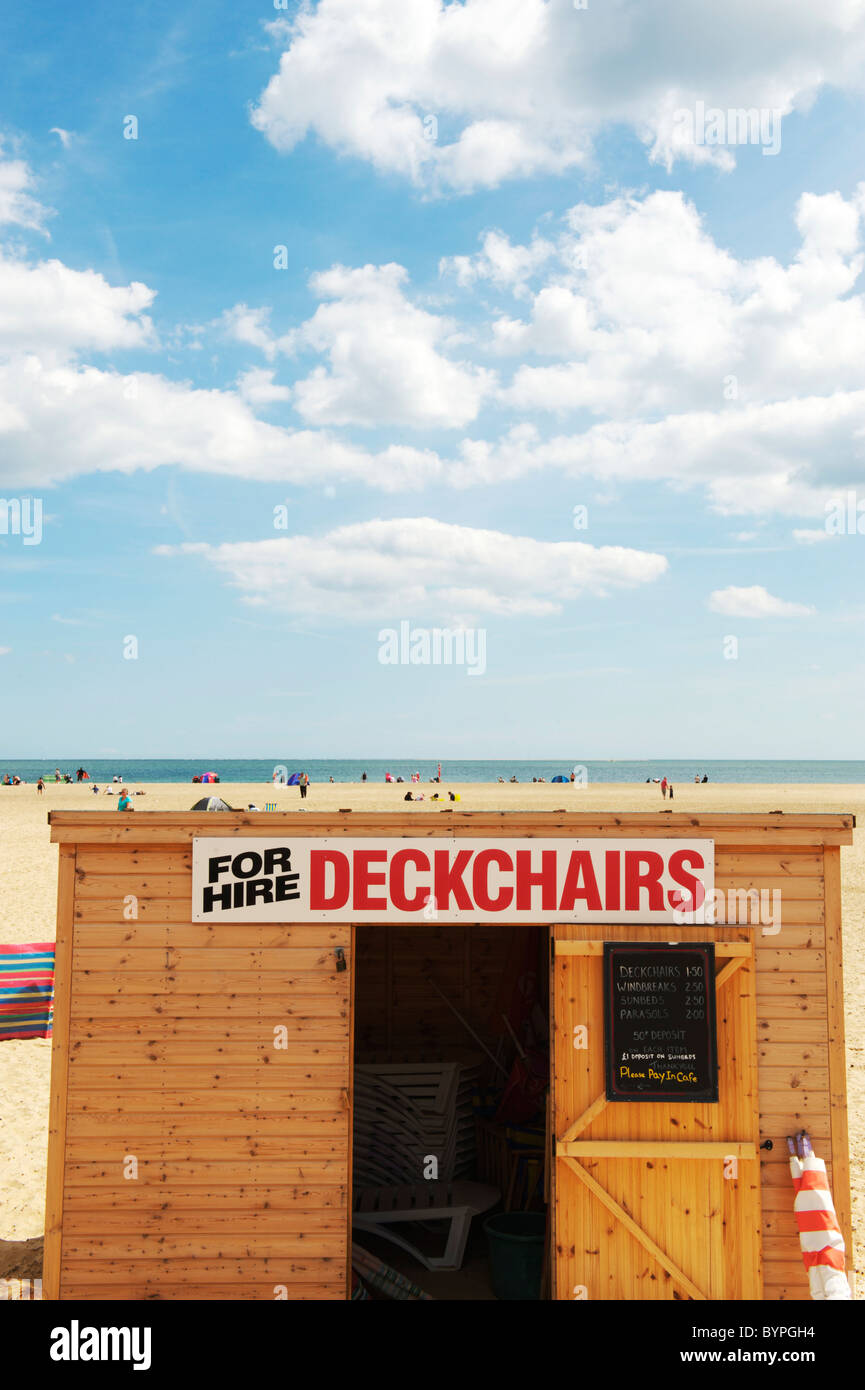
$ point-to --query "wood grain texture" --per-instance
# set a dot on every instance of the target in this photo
(667, 1165)
(175, 829)
(63, 975)
(207, 1074)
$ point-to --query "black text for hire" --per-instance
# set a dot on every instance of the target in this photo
(254, 879)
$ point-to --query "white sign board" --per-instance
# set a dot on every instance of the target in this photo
(294, 878)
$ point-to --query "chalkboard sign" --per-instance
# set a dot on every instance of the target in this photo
(659, 1019)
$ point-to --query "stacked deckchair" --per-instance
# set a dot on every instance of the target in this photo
(26, 990)
(384, 1278)
(404, 1115)
(406, 1112)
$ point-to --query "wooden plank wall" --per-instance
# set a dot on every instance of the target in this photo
(800, 1033)
(172, 1066)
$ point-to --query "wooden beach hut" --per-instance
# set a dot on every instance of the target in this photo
(219, 975)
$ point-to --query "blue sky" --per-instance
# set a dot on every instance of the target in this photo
(515, 283)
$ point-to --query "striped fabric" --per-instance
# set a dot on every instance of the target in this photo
(27, 1290)
(26, 990)
(819, 1233)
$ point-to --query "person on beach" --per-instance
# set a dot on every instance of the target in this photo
(304, 783)
(40, 787)
(664, 788)
(363, 777)
(670, 790)
(124, 800)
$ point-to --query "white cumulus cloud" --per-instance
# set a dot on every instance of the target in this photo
(57, 422)
(257, 387)
(252, 327)
(386, 363)
(464, 96)
(628, 313)
(18, 207)
(806, 536)
(642, 312)
(418, 566)
(755, 602)
(386, 357)
(48, 308)
(504, 264)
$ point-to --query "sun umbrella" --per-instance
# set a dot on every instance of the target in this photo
(819, 1233)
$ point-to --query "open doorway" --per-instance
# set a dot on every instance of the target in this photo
(451, 1149)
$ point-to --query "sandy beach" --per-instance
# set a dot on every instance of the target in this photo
(28, 873)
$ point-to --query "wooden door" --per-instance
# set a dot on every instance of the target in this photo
(653, 1200)
(203, 1121)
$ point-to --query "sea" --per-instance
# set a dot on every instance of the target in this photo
(261, 770)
